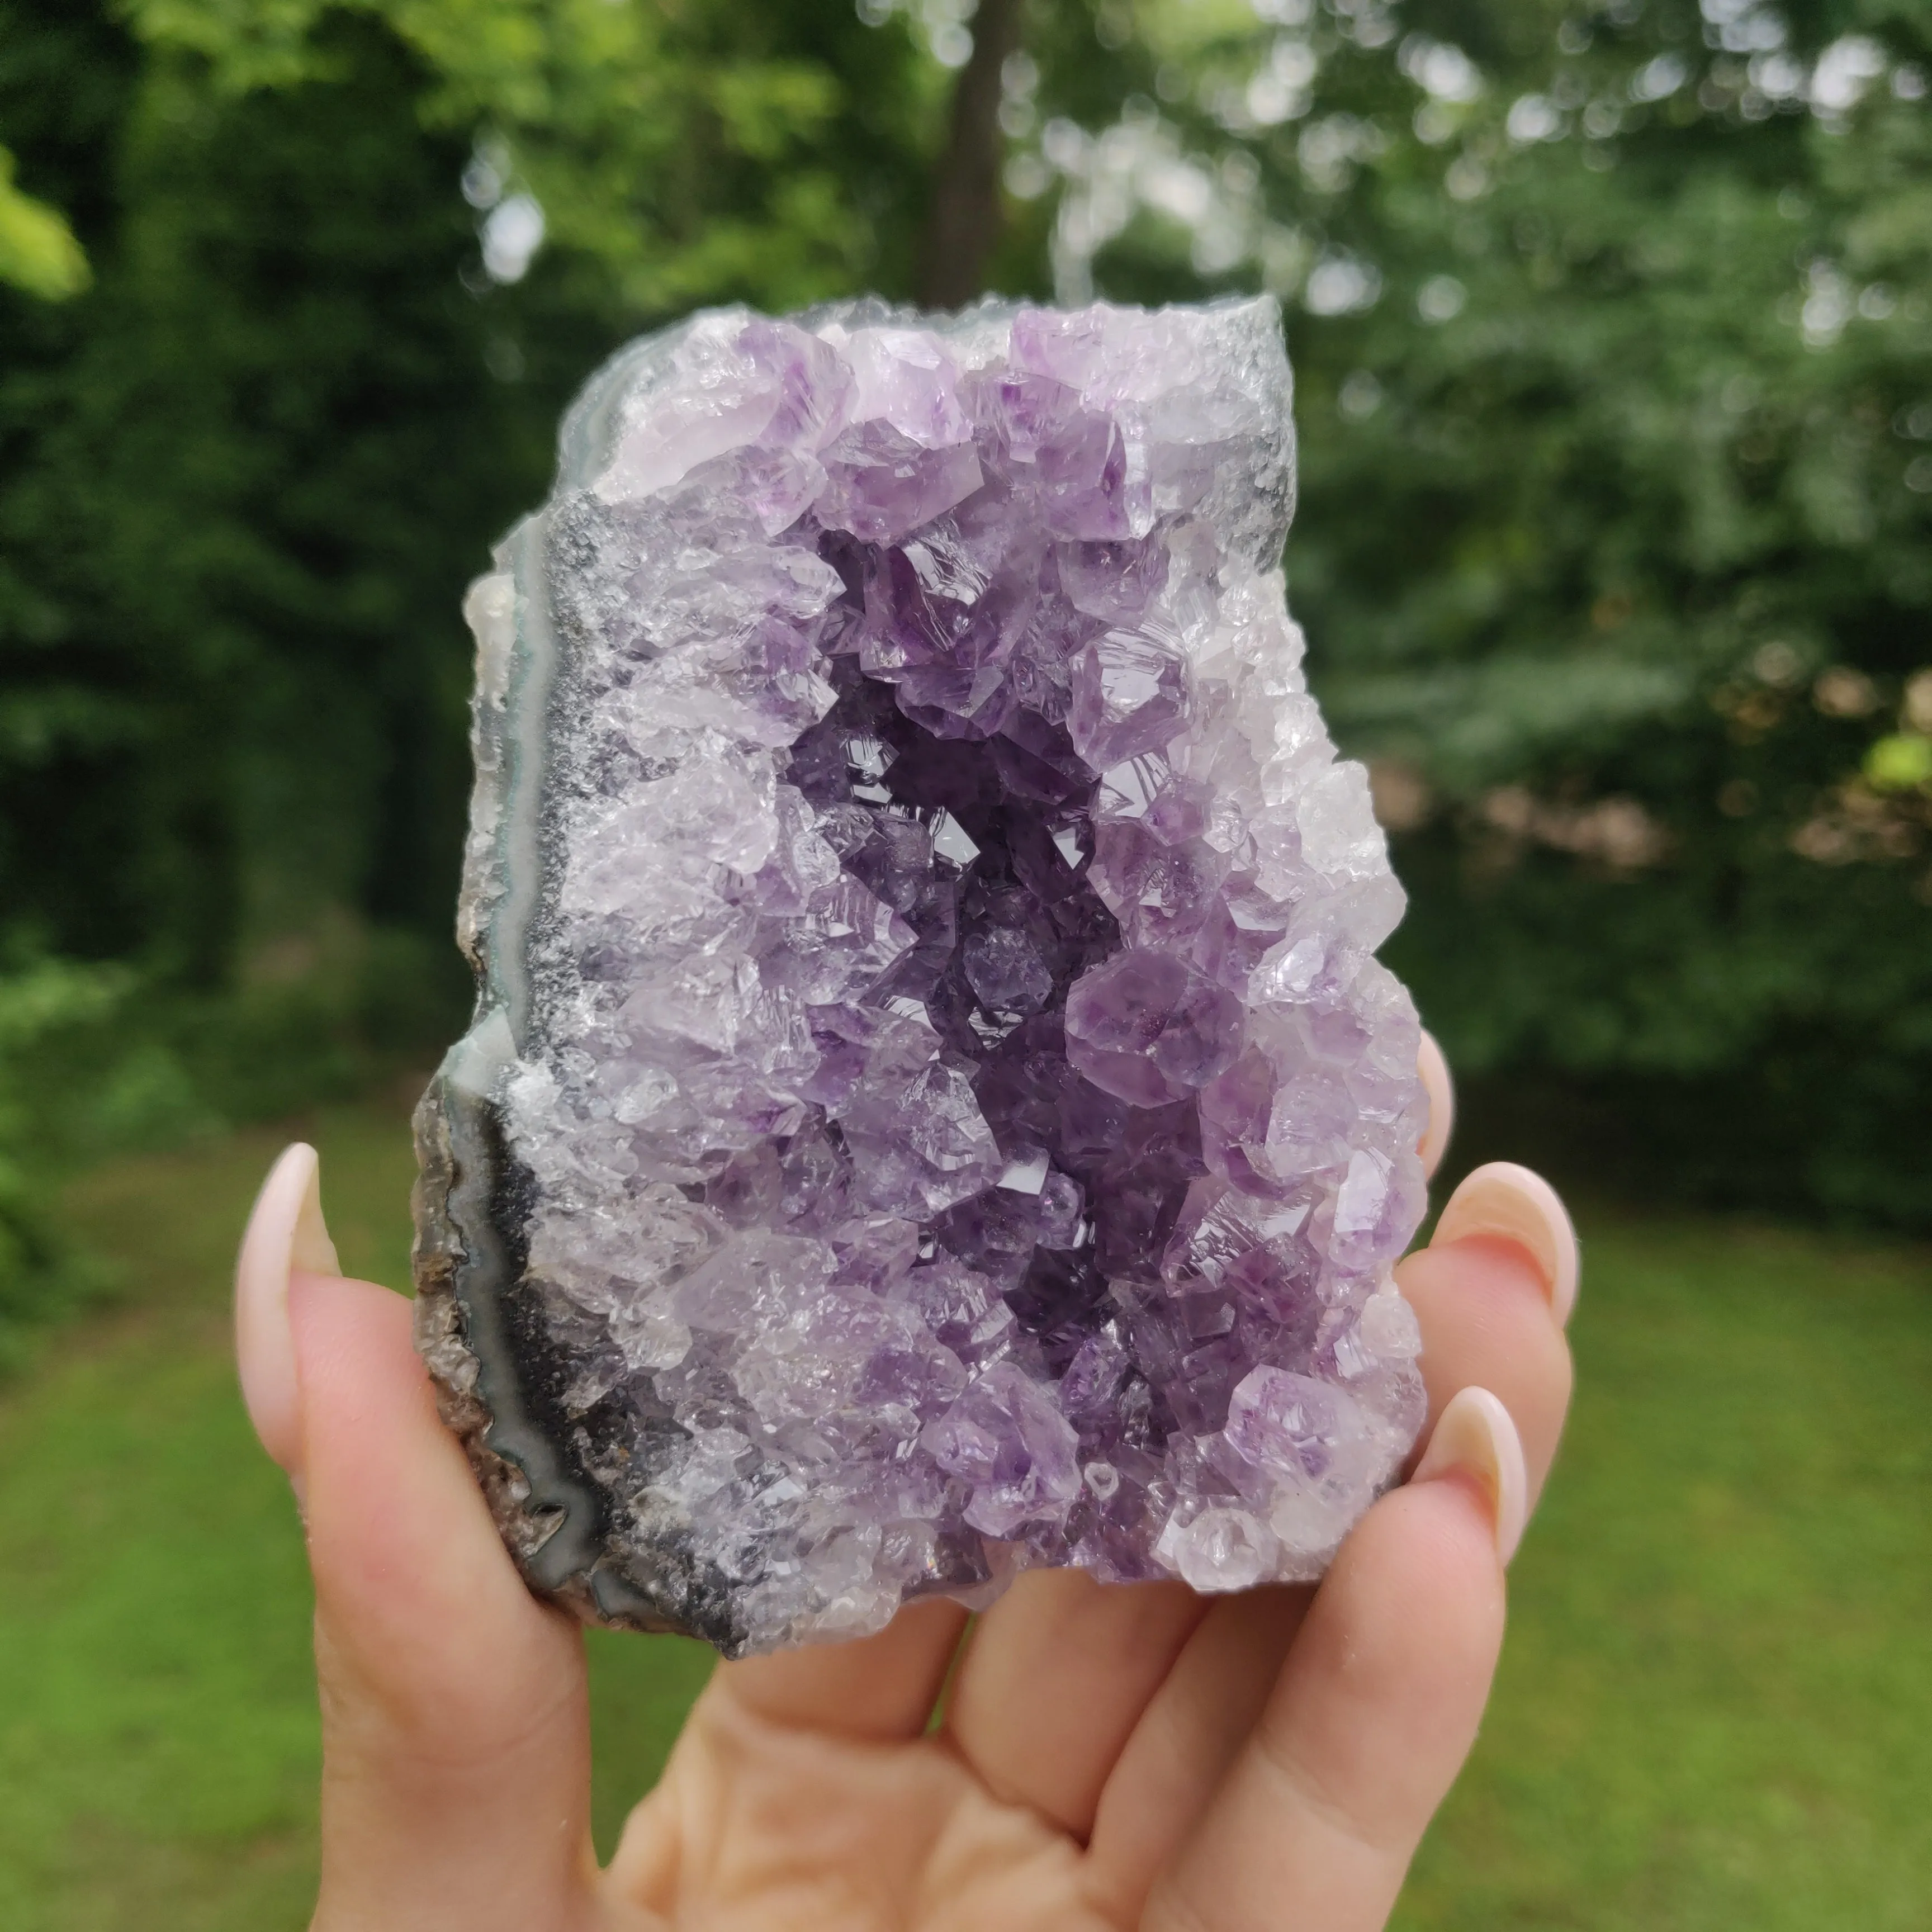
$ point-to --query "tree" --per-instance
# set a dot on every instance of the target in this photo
(1613, 333)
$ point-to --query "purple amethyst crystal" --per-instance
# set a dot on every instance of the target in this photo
(932, 1108)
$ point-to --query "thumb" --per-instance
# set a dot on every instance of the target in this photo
(455, 1735)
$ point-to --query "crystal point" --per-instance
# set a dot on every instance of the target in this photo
(932, 1107)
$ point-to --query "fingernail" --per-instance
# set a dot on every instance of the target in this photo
(1508, 1201)
(1434, 1071)
(1475, 1436)
(285, 1231)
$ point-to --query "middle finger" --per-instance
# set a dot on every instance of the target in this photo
(1055, 1677)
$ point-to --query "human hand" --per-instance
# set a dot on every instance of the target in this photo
(1109, 1757)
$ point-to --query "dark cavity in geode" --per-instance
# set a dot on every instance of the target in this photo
(932, 1107)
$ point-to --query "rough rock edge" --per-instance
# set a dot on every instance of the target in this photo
(614, 1583)
(441, 1334)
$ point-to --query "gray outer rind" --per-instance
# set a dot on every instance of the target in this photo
(548, 1510)
(474, 1320)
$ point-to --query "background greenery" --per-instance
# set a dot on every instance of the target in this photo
(1715, 1709)
(1613, 327)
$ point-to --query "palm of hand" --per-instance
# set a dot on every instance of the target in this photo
(767, 1821)
(1086, 1736)
(1108, 1757)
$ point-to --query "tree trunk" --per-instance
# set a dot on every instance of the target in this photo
(963, 224)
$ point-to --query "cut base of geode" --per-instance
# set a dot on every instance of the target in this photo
(932, 1107)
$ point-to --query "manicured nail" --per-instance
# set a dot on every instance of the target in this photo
(1475, 1436)
(1434, 1071)
(285, 1231)
(1508, 1201)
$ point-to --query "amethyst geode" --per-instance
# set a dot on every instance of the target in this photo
(932, 1108)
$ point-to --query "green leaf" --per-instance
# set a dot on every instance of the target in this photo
(37, 250)
(1901, 763)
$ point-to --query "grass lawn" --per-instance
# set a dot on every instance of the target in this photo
(1715, 1710)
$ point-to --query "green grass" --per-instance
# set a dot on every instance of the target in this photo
(1715, 1710)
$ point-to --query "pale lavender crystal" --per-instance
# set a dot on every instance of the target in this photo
(933, 1109)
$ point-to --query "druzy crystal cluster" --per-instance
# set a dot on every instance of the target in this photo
(933, 1109)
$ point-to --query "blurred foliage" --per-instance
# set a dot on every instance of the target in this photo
(691, 154)
(1613, 330)
(37, 250)
(44, 1010)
